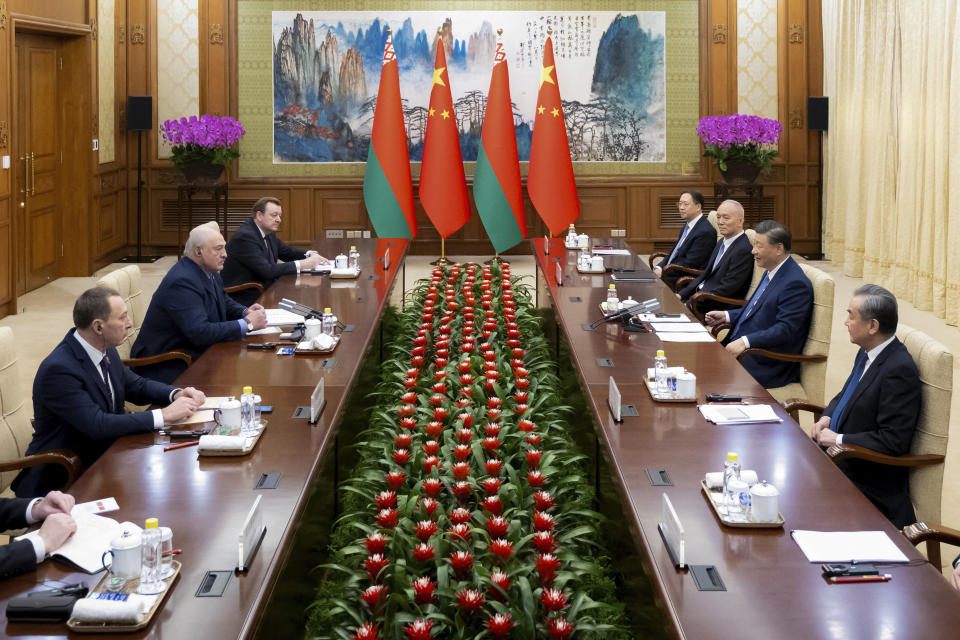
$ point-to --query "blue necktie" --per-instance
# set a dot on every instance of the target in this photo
(848, 388)
(105, 368)
(764, 281)
(723, 246)
(683, 236)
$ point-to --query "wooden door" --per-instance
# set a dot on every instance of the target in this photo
(39, 161)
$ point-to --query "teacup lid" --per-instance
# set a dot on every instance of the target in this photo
(737, 483)
(312, 321)
(764, 489)
(126, 540)
(230, 404)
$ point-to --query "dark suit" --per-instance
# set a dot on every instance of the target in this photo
(694, 251)
(18, 556)
(881, 415)
(189, 312)
(252, 257)
(72, 411)
(779, 322)
(730, 279)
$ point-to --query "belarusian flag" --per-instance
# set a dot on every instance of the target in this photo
(387, 187)
(443, 189)
(550, 181)
(496, 182)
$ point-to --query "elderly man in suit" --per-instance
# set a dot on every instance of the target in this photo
(254, 249)
(53, 510)
(696, 241)
(189, 311)
(80, 389)
(730, 266)
(777, 316)
(878, 405)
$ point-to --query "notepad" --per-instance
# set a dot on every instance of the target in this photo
(678, 327)
(85, 548)
(685, 336)
(847, 546)
(738, 413)
(282, 317)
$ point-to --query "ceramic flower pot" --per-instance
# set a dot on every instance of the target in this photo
(740, 172)
(202, 172)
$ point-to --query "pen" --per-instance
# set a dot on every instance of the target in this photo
(181, 445)
(884, 578)
(173, 552)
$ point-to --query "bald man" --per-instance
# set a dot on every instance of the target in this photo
(189, 312)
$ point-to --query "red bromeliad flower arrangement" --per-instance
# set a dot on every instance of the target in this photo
(475, 522)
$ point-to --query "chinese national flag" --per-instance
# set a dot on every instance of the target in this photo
(443, 188)
(550, 182)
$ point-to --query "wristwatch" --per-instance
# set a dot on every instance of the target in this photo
(249, 326)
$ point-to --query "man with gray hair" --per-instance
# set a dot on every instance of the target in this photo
(878, 405)
(189, 311)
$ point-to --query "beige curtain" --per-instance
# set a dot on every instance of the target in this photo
(892, 71)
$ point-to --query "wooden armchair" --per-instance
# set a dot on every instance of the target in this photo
(670, 268)
(932, 535)
(16, 428)
(700, 296)
(243, 287)
(127, 281)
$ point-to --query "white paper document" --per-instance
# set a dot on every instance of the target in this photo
(103, 505)
(848, 546)
(610, 252)
(653, 317)
(738, 413)
(263, 332)
(205, 413)
(678, 327)
(281, 317)
(685, 336)
(94, 533)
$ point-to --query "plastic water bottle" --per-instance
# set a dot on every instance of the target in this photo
(660, 374)
(248, 407)
(151, 559)
(583, 260)
(571, 236)
(328, 323)
(613, 302)
(731, 469)
(354, 259)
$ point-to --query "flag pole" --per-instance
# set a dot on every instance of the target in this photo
(442, 260)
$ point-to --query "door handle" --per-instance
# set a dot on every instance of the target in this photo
(26, 177)
(33, 174)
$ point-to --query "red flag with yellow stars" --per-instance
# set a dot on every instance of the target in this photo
(443, 188)
(550, 181)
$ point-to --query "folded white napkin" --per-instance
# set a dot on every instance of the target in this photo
(714, 479)
(222, 443)
(129, 611)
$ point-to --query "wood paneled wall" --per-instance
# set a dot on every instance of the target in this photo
(642, 205)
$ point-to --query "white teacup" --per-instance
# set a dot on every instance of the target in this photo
(125, 557)
(312, 328)
(227, 416)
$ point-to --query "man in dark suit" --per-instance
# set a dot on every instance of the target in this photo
(80, 390)
(878, 405)
(189, 311)
(696, 241)
(21, 556)
(777, 316)
(730, 266)
(254, 249)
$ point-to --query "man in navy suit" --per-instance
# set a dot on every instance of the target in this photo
(80, 390)
(777, 316)
(878, 405)
(730, 266)
(189, 311)
(254, 249)
(21, 556)
(696, 241)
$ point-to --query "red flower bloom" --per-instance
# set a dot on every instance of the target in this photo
(367, 632)
(494, 402)
(499, 625)
(526, 425)
(547, 565)
(553, 599)
(436, 400)
(460, 515)
(517, 352)
(423, 552)
(416, 361)
(466, 379)
(544, 541)
(464, 366)
(408, 423)
(516, 364)
(423, 590)
(493, 504)
(533, 458)
(386, 499)
(465, 420)
(463, 402)
(433, 486)
(374, 565)
(533, 439)
(536, 478)
(419, 630)
(492, 430)
(461, 469)
(543, 500)
(418, 351)
(493, 466)
(521, 396)
(461, 489)
(521, 372)
(376, 542)
(500, 585)
(466, 347)
(462, 562)
(410, 383)
(388, 518)
(430, 462)
(429, 505)
(403, 440)
(501, 548)
(489, 366)
(491, 444)
(497, 526)
(513, 343)
(469, 601)
(395, 479)
(543, 521)
(406, 411)
(492, 375)
(434, 429)
(466, 392)
(520, 408)
(439, 387)
(409, 397)
(439, 414)
(438, 376)
(523, 384)
(424, 529)
(374, 595)
(493, 415)
(464, 436)
(461, 452)
(401, 456)
(440, 363)
(491, 485)
(559, 628)
(460, 532)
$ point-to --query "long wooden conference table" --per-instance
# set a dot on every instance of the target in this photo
(772, 591)
(205, 500)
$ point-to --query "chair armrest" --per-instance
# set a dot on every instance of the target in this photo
(654, 256)
(682, 269)
(717, 328)
(785, 357)
(794, 406)
(63, 457)
(706, 295)
(244, 286)
(847, 451)
(160, 357)
(932, 535)
(682, 282)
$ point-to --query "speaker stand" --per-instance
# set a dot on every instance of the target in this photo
(139, 258)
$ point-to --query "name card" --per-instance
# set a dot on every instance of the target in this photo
(672, 531)
(386, 260)
(317, 401)
(250, 536)
(559, 274)
(546, 246)
(613, 400)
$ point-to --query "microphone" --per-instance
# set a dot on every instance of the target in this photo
(300, 309)
(647, 306)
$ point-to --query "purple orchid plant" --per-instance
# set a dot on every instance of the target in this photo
(749, 139)
(209, 139)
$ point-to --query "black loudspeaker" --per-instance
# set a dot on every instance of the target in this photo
(818, 113)
(139, 113)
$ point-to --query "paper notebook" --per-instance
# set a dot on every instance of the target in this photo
(86, 547)
(847, 546)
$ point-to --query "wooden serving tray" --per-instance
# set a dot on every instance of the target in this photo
(247, 447)
(593, 271)
(653, 394)
(131, 587)
(713, 498)
(318, 352)
(344, 276)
